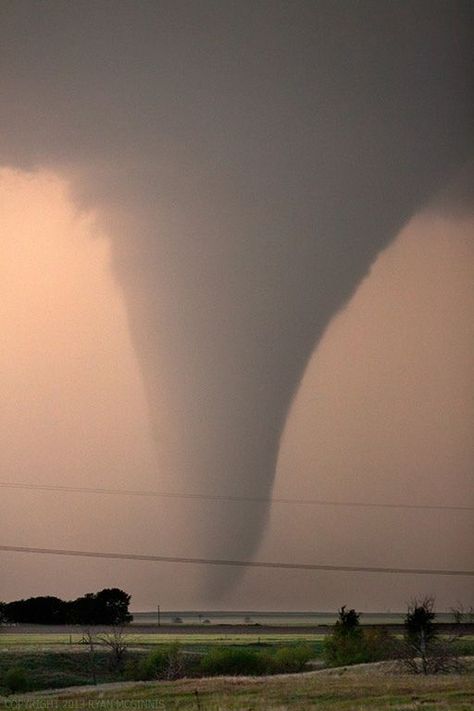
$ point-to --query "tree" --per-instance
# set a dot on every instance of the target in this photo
(117, 642)
(3, 613)
(47, 610)
(424, 651)
(112, 606)
(107, 607)
(462, 616)
(89, 640)
(344, 645)
(350, 644)
(83, 610)
(348, 622)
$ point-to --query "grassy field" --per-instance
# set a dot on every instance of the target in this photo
(348, 691)
(51, 661)
(61, 665)
(51, 640)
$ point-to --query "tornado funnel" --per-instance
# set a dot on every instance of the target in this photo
(249, 161)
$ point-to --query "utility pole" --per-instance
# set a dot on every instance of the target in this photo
(159, 616)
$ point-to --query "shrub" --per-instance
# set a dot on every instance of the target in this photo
(424, 652)
(350, 644)
(348, 621)
(153, 666)
(287, 660)
(15, 680)
(344, 645)
(371, 645)
(379, 644)
(233, 662)
(163, 663)
(133, 670)
(339, 650)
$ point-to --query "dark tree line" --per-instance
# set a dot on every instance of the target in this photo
(107, 607)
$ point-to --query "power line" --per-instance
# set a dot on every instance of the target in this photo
(219, 497)
(234, 563)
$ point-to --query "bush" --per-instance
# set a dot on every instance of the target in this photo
(233, 662)
(155, 665)
(288, 660)
(15, 680)
(171, 663)
(350, 644)
(162, 663)
(379, 644)
(343, 646)
(371, 645)
(424, 652)
(340, 650)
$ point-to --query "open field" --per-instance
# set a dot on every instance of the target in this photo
(265, 618)
(65, 634)
(56, 660)
(59, 666)
(72, 640)
(357, 689)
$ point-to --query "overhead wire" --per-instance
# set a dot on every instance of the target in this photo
(234, 563)
(231, 498)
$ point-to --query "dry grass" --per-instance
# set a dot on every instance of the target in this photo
(368, 687)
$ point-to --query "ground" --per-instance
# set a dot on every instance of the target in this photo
(366, 688)
(59, 660)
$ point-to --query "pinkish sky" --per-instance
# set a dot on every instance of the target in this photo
(384, 414)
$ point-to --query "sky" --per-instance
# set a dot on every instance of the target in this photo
(227, 269)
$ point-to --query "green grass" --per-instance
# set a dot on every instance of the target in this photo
(54, 640)
(43, 640)
(51, 662)
(466, 646)
(45, 670)
(61, 666)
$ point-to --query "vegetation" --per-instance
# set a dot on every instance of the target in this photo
(225, 661)
(167, 662)
(289, 660)
(325, 691)
(462, 615)
(15, 680)
(106, 656)
(198, 641)
(424, 650)
(174, 662)
(91, 663)
(43, 610)
(117, 642)
(107, 607)
(350, 644)
(55, 670)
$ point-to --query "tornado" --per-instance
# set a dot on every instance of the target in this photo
(248, 160)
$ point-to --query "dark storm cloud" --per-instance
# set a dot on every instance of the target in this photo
(250, 159)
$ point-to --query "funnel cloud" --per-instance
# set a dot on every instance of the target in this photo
(248, 160)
